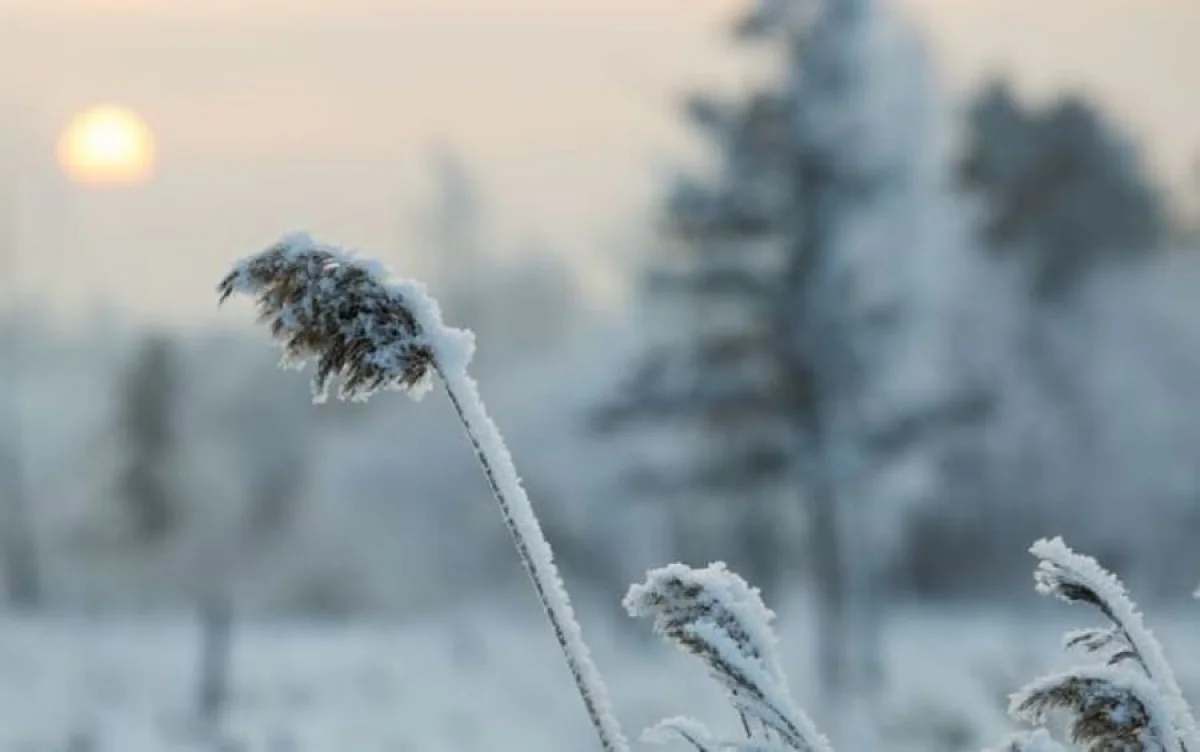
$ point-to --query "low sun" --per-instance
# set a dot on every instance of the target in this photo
(107, 145)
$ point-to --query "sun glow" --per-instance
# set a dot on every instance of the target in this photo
(107, 145)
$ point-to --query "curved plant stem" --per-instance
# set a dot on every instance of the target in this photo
(534, 550)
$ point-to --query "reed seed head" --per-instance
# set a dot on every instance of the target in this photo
(324, 304)
(1109, 709)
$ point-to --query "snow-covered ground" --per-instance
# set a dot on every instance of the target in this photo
(486, 678)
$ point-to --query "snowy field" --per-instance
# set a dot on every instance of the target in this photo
(488, 679)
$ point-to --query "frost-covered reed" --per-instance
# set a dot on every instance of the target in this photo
(367, 333)
(1129, 703)
(716, 616)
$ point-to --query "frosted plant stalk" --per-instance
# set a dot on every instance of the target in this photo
(1131, 703)
(327, 305)
(716, 616)
(1076, 578)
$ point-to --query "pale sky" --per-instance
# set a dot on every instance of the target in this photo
(277, 114)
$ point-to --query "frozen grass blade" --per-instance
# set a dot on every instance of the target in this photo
(326, 305)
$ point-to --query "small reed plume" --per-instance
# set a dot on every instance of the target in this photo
(1129, 702)
(326, 305)
(1110, 709)
(716, 616)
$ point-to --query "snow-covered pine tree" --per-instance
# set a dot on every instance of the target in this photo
(147, 482)
(1062, 189)
(18, 552)
(453, 227)
(518, 297)
(1065, 210)
(792, 263)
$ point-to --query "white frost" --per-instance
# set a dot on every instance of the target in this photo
(1060, 565)
(390, 349)
(533, 548)
(1108, 685)
(714, 614)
